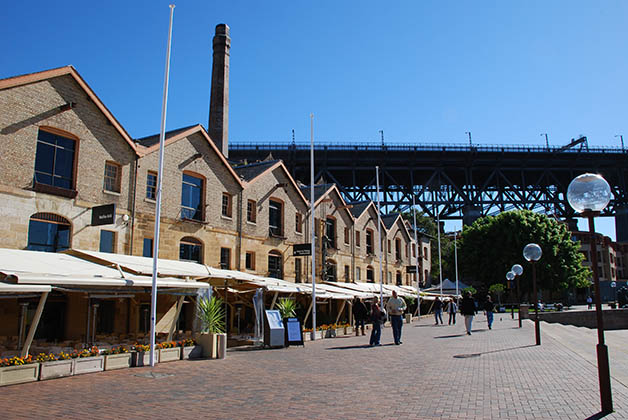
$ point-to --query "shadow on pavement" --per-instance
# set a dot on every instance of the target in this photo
(597, 416)
(363, 346)
(452, 336)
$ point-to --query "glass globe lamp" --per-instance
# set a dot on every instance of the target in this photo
(517, 269)
(532, 252)
(510, 276)
(588, 192)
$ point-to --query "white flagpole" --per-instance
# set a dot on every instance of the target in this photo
(440, 266)
(313, 227)
(162, 135)
(456, 260)
(379, 239)
(416, 260)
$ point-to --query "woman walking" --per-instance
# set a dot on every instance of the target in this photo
(467, 308)
(376, 318)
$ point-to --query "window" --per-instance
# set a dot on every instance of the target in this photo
(398, 278)
(249, 261)
(389, 247)
(275, 218)
(347, 273)
(398, 249)
(251, 211)
(297, 270)
(330, 232)
(414, 250)
(407, 247)
(316, 226)
(225, 258)
(275, 265)
(192, 197)
(48, 232)
(105, 315)
(54, 160)
(147, 250)
(298, 222)
(190, 249)
(425, 252)
(389, 278)
(330, 270)
(357, 274)
(226, 204)
(151, 185)
(357, 239)
(107, 241)
(370, 274)
(346, 236)
(113, 173)
(427, 275)
(369, 242)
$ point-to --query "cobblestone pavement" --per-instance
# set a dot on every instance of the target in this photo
(437, 373)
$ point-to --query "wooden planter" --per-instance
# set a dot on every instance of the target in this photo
(142, 358)
(56, 369)
(191, 352)
(88, 364)
(10, 375)
(169, 355)
(117, 361)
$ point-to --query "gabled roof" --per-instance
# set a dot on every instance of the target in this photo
(320, 190)
(180, 134)
(253, 171)
(359, 207)
(150, 141)
(71, 71)
(389, 221)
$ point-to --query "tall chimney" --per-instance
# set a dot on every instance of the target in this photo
(219, 102)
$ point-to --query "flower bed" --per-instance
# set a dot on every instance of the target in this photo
(190, 349)
(55, 365)
(18, 370)
(87, 361)
(168, 351)
(117, 358)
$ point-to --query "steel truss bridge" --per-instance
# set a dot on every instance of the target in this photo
(455, 181)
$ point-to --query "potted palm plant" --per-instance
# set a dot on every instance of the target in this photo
(211, 312)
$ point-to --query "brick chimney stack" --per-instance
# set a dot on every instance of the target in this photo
(219, 103)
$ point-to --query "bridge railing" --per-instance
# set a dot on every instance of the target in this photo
(451, 147)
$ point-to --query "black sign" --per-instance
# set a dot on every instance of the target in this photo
(411, 269)
(293, 332)
(104, 215)
(301, 250)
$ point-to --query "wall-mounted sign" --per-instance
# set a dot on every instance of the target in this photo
(301, 250)
(104, 215)
(411, 269)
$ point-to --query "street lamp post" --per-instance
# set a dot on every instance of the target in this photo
(613, 286)
(510, 276)
(532, 253)
(589, 194)
(518, 270)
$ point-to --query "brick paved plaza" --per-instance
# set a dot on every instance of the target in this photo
(438, 372)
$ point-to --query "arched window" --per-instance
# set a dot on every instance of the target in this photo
(331, 271)
(275, 266)
(191, 249)
(370, 274)
(48, 232)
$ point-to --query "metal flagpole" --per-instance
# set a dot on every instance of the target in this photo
(440, 266)
(456, 260)
(162, 135)
(416, 260)
(379, 239)
(313, 227)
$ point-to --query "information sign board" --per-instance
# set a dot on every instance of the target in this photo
(301, 250)
(104, 215)
(293, 332)
(410, 269)
(274, 333)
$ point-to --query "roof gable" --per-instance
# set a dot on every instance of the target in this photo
(252, 172)
(71, 71)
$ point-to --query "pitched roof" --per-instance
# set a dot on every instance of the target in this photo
(319, 190)
(71, 71)
(150, 141)
(390, 219)
(180, 134)
(253, 170)
(359, 207)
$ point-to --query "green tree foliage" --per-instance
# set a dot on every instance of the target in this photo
(287, 307)
(489, 247)
(211, 312)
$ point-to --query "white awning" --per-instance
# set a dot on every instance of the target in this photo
(23, 288)
(340, 288)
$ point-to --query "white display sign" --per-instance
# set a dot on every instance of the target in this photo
(274, 319)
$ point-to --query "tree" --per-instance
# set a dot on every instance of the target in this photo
(489, 247)
(497, 289)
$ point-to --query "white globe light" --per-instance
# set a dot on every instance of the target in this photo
(532, 252)
(517, 269)
(588, 192)
(613, 284)
(510, 276)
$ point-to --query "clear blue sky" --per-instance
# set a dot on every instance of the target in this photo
(422, 71)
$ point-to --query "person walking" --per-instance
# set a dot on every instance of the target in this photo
(360, 314)
(452, 308)
(376, 319)
(589, 302)
(489, 307)
(438, 310)
(467, 308)
(395, 307)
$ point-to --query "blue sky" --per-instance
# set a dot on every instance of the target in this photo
(422, 71)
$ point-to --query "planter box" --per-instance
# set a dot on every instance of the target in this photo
(88, 364)
(142, 358)
(10, 375)
(348, 330)
(191, 352)
(169, 355)
(214, 345)
(56, 369)
(117, 361)
(340, 331)
(408, 318)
